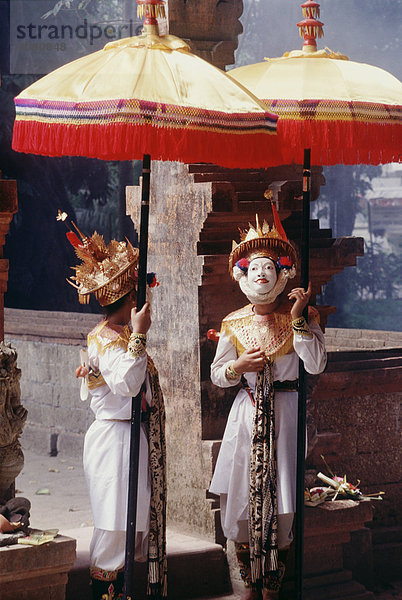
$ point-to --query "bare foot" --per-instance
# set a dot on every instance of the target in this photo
(6, 526)
(251, 595)
(269, 595)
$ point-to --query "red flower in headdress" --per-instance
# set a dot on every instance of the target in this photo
(284, 262)
(243, 264)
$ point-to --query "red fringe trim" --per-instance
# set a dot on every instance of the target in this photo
(331, 143)
(120, 141)
(340, 142)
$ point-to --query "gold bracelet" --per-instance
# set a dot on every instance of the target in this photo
(300, 327)
(230, 373)
(137, 344)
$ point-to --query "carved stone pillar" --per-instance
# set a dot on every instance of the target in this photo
(8, 207)
(195, 213)
(210, 27)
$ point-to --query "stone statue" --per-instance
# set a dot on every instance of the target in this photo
(12, 420)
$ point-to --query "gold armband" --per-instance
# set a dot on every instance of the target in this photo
(137, 344)
(300, 327)
(230, 373)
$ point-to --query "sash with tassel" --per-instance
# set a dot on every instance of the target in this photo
(157, 563)
(263, 514)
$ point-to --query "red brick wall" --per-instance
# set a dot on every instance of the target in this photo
(359, 396)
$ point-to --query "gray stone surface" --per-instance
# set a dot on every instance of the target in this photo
(367, 419)
(36, 572)
(178, 213)
(352, 339)
(50, 393)
(66, 506)
(12, 420)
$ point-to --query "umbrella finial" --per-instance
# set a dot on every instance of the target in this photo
(151, 10)
(310, 28)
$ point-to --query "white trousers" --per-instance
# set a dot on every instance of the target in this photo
(107, 550)
(285, 523)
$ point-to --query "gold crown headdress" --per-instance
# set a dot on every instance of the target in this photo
(107, 271)
(264, 241)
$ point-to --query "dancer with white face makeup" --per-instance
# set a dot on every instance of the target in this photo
(259, 348)
(261, 275)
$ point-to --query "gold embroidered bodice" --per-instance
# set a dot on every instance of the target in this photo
(105, 335)
(272, 333)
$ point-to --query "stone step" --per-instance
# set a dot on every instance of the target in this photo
(386, 558)
(211, 168)
(224, 232)
(45, 326)
(234, 176)
(230, 597)
(197, 568)
(36, 572)
(348, 590)
(360, 353)
(333, 578)
(363, 596)
(386, 535)
(336, 585)
(224, 246)
(369, 363)
(245, 198)
(248, 186)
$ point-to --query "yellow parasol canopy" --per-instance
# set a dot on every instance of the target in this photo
(346, 112)
(147, 94)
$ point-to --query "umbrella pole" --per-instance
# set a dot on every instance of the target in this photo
(301, 417)
(136, 401)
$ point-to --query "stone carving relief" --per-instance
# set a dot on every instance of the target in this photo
(12, 419)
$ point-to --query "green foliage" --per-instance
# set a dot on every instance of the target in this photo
(378, 275)
(368, 296)
(365, 293)
(341, 197)
(369, 314)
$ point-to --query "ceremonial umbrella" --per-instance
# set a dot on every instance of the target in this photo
(346, 112)
(145, 95)
(138, 97)
(338, 111)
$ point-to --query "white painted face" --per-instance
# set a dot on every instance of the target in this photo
(261, 275)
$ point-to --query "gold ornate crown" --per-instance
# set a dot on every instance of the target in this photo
(263, 241)
(109, 272)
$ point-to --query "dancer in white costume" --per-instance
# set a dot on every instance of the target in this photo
(259, 347)
(120, 369)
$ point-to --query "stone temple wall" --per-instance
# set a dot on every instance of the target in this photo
(366, 417)
(47, 345)
(359, 399)
(357, 403)
(48, 356)
(177, 214)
